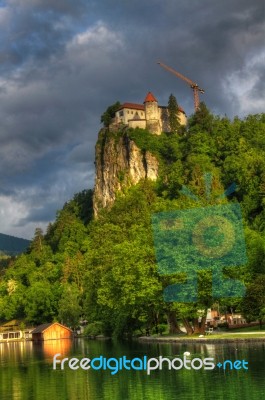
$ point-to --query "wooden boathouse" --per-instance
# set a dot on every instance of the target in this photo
(51, 331)
(14, 335)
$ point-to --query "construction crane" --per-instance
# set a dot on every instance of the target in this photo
(196, 89)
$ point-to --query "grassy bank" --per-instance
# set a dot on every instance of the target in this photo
(235, 335)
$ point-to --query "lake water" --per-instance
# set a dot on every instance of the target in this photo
(27, 373)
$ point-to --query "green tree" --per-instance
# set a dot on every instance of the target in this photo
(37, 242)
(122, 281)
(69, 310)
(107, 116)
(41, 302)
(253, 305)
(201, 120)
(173, 110)
(11, 299)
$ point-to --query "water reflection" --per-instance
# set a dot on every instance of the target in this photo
(26, 372)
(15, 352)
(52, 347)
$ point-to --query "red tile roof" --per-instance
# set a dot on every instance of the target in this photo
(134, 106)
(181, 110)
(149, 98)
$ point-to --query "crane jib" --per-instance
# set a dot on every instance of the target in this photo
(196, 89)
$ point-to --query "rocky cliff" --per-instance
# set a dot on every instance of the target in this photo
(119, 163)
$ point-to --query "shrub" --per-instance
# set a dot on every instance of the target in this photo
(94, 329)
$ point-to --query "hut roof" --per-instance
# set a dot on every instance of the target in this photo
(43, 327)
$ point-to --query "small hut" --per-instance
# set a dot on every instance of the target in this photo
(51, 331)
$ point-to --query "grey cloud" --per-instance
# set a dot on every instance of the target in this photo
(62, 63)
(42, 214)
(43, 203)
(81, 153)
(37, 29)
(73, 7)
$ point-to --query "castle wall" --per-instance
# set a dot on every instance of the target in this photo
(152, 115)
(154, 126)
(183, 118)
(124, 115)
(137, 124)
(151, 111)
(164, 118)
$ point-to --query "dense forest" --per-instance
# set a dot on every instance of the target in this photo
(105, 271)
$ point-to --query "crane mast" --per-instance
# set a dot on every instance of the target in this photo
(196, 89)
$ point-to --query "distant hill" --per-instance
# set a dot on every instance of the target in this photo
(12, 245)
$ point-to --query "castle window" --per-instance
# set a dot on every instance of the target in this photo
(131, 112)
(121, 113)
(128, 112)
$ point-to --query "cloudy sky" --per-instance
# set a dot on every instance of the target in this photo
(62, 62)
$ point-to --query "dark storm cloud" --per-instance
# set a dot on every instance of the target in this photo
(63, 62)
(205, 40)
(44, 214)
(36, 29)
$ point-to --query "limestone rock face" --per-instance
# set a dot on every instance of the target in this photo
(119, 163)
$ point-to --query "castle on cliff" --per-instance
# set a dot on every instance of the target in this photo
(119, 161)
(148, 115)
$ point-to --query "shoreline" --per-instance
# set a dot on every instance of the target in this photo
(186, 340)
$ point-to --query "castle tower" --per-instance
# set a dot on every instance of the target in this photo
(152, 115)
